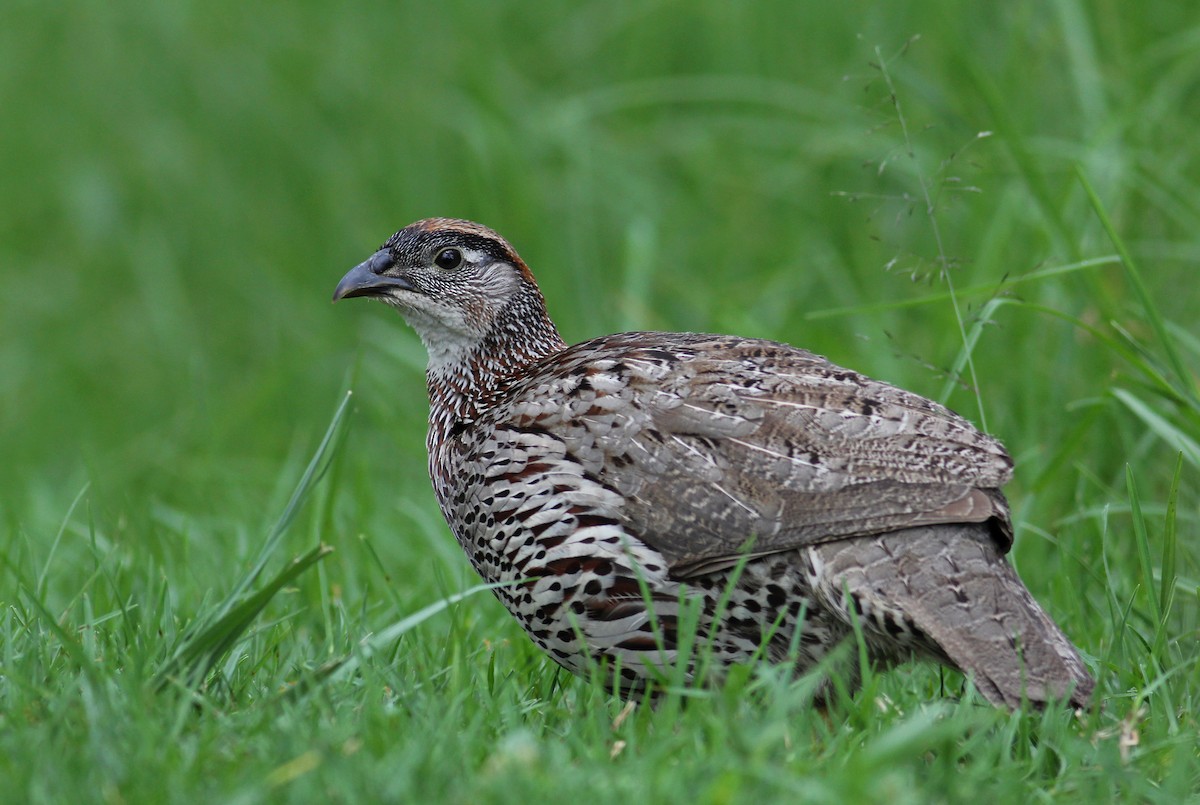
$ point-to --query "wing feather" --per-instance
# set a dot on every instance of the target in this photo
(720, 445)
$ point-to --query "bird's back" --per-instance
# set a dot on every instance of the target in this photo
(713, 441)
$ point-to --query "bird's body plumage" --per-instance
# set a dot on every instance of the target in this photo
(609, 480)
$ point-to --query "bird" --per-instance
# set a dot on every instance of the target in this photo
(617, 490)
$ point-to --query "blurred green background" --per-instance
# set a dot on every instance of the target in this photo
(182, 185)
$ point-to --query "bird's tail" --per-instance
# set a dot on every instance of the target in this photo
(957, 597)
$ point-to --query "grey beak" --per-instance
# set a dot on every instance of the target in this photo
(367, 278)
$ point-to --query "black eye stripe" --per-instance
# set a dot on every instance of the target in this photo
(483, 245)
(448, 258)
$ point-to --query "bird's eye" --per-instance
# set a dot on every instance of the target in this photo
(448, 259)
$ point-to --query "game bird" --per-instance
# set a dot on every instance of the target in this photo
(611, 483)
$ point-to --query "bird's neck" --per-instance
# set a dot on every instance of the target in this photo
(463, 387)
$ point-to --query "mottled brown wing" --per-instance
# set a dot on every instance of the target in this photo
(724, 445)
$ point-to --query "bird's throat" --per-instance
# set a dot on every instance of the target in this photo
(466, 383)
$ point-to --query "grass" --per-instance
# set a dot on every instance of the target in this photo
(184, 186)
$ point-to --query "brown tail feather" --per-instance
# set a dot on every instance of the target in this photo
(964, 604)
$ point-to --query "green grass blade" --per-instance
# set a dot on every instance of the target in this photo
(1132, 354)
(1167, 582)
(41, 582)
(201, 653)
(1015, 141)
(1184, 338)
(985, 289)
(1169, 433)
(214, 635)
(312, 474)
(69, 644)
(964, 354)
(1142, 542)
(369, 646)
(1149, 308)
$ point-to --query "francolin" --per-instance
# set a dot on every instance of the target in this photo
(785, 496)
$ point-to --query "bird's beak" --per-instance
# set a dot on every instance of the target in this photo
(367, 278)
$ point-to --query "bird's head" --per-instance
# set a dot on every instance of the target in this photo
(450, 279)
